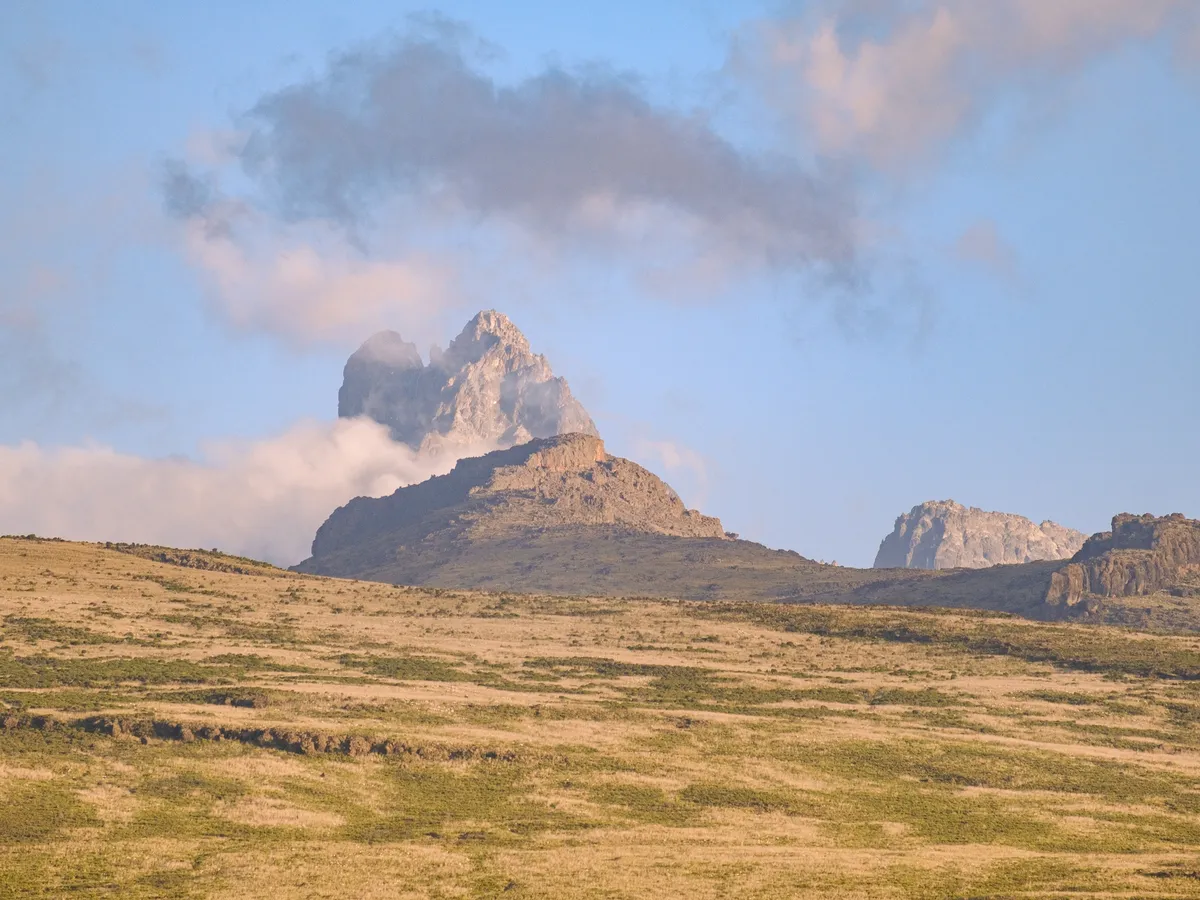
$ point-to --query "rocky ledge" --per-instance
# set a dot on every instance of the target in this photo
(1140, 555)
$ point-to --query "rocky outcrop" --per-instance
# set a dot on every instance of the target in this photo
(543, 485)
(487, 388)
(947, 535)
(1141, 555)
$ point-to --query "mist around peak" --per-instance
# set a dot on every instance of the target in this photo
(487, 386)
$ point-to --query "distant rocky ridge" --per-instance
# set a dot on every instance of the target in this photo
(487, 388)
(942, 534)
(545, 484)
(561, 516)
(1140, 556)
(554, 513)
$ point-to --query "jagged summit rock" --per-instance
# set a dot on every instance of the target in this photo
(942, 534)
(488, 388)
(540, 486)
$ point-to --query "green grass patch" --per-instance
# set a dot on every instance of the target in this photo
(485, 802)
(405, 668)
(599, 667)
(49, 671)
(38, 629)
(725, 796)
(36, 811)
(982, 765)
(646, 804)
(192, 786)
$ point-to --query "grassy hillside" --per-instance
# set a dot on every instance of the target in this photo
(181, 724)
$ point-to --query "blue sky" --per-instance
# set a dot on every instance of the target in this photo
(1019, 331)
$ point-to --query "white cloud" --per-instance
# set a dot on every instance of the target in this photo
(676, 461)
(262, 498)
(318, 289)
(896, 96)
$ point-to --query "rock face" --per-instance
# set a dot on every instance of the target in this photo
(539, 486)
(1141, 555)
(486, 388)
(947, 535)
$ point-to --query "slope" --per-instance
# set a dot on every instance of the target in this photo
(177, 729)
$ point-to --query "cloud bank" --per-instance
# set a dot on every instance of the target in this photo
(371, 188)
(263, 499)
(892, 83)
(397, 184)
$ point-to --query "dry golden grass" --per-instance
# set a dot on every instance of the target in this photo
(388, 742)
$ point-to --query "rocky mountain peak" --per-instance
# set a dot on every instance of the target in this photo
(942, 534)
(488, 388)
(490, 324)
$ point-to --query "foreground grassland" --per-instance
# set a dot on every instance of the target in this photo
(236, 731)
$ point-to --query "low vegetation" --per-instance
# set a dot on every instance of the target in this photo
(174, 729)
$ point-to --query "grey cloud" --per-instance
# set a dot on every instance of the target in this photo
(34, 374)
(31, 372)
(185, 194)
(191, 197)
(560, 153)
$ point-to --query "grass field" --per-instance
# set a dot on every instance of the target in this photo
(230, 730)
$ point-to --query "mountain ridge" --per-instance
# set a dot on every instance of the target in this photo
(562, 516)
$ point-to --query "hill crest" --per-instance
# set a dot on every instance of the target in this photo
(562, 481)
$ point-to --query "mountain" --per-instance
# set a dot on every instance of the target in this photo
(488, 388)
(1142, 555)
(543, 485)
(562, 516)
(942, 534)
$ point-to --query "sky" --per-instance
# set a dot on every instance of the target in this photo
(813, 263)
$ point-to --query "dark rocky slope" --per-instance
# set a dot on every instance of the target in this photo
(1140, 556)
